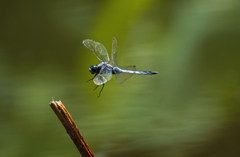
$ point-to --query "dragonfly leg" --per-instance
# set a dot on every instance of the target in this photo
(96, 87)
(100, 91)
(92, 78)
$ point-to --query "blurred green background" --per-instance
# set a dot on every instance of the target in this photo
(190, 109)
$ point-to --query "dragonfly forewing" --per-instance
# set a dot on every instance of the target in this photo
(98, 49)
(114, 52)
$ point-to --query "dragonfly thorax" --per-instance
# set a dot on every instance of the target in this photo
(93, 69)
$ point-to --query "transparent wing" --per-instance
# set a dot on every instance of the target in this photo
(122, 77)
(97, 48)
(114, 52)
(104, 75)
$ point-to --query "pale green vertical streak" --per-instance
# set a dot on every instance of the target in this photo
(116, 17)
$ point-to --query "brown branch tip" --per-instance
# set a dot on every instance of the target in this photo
(71, 128)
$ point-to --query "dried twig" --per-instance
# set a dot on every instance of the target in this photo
(71, 128)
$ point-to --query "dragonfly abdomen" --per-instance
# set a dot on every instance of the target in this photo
(140, 72)
(117, 70)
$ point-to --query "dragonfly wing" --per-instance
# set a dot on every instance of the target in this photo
(114, 52)
(97, 48)
(122, 77)
(104, 75)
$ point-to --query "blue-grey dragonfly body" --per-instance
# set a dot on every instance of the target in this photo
(103, 71)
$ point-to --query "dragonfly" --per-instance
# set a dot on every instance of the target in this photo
(108, 66)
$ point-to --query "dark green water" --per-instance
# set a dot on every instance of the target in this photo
(190, 108)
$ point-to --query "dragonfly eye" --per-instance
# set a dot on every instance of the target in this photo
(93, 69)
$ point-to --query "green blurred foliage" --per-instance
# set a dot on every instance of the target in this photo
(191, 108)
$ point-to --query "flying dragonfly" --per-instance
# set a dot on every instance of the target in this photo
(108, 67)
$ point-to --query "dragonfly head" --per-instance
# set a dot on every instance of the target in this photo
(93, 69)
